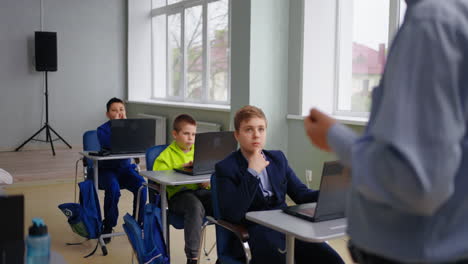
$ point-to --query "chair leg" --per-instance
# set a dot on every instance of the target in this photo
(203, 244)
(168, 245)
(202, 241)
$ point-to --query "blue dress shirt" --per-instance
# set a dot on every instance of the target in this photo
(265, 185)
(409, 198)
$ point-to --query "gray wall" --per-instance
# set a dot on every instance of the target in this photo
(219, 117)
(259, 68)
(302, 155)
(266, 71)
(269, 66)
(91, 67)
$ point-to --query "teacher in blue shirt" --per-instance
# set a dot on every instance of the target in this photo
(409, 198)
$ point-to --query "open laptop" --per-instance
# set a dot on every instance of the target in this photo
(210, 147)
(12, 234)
(132, 135)
(331, 203)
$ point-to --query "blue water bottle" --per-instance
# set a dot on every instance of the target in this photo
(38, 243)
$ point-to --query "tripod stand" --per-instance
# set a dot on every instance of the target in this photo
(46, 126)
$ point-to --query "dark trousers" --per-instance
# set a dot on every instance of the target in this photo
(193, 205)
(363, 257)
(111, 181)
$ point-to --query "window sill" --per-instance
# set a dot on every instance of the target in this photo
(209, 107)
(357, 121)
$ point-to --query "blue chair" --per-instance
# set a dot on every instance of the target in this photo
(176, 221)
(90, 143)
(227, 234)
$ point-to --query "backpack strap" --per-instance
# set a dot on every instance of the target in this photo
(94, 250)
(89, 201)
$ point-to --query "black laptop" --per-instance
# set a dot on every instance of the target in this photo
(12, 224)
(132, 135)
(331, 203)
(210, 147)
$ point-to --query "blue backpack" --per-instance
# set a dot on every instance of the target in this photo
(148, 244)
(84, 218)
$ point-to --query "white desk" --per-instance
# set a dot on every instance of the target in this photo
(96, 160)
(294, 227)
(171, 177)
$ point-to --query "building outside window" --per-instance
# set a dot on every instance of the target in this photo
(364, 29)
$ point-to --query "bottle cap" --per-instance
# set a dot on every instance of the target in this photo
(38, 227)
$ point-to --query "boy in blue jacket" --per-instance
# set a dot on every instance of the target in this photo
(255, 179)
(116, 174)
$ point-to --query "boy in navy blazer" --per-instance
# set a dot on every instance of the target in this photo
(254, 179)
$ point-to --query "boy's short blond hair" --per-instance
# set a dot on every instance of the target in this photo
(246, 113)
(181, 119)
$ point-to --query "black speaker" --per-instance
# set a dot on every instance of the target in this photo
(46, 50)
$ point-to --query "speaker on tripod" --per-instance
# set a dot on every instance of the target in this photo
(45, 44)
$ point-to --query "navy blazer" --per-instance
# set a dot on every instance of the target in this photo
(238, 192)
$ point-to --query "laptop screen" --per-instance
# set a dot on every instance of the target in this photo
(12, 235)
(132, 135)
(211, 147)
(334, 187)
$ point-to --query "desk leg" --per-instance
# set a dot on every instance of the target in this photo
(96, 169)
(289, 249)
(164, 213)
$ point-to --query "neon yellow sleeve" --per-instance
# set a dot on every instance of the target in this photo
(161, 164)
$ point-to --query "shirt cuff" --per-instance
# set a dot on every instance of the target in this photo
(253, 172)
(340, 138)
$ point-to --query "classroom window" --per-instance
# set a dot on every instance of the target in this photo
(190, 51)
(363, 31)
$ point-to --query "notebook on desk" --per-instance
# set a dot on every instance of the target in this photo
(331, 202)
(132, 135)
(210, 148)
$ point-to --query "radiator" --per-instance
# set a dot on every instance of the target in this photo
(207, 127)
(160, 133)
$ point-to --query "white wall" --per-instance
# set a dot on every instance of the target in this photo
(91, 39)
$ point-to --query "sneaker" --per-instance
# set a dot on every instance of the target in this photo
(107, 230)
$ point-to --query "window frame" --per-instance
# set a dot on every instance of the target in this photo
(180, 8)
(331, 107)
(393, 26)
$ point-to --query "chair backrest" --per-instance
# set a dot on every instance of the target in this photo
(90, 143)
(225, 240)
(152, 154)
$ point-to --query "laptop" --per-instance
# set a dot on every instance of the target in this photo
(132, 135)
(210, 147)
(12, 234)
(331, 203)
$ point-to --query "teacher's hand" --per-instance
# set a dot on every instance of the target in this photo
(316, 126)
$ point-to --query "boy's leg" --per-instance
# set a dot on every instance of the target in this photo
(305, 252)
(108, 181)
(187, 204)
(204, 196)
(131, 180)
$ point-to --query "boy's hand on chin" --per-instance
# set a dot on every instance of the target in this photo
(257, 161)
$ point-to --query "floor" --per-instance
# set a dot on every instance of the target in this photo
(47, 181)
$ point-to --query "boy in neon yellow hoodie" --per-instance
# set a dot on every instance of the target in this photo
(193, 201)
